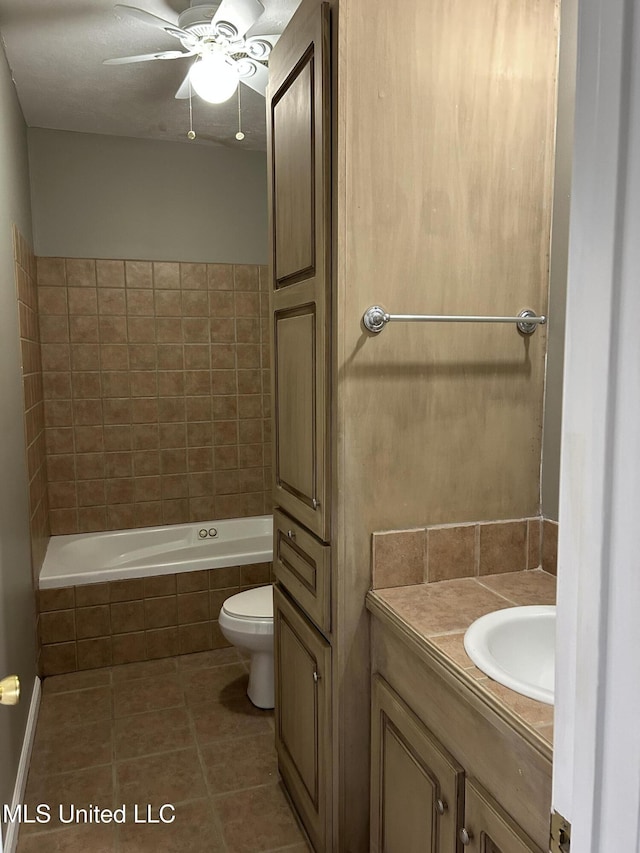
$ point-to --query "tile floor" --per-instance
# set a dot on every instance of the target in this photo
(180, 731)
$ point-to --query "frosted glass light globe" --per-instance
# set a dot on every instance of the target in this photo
(213, 79)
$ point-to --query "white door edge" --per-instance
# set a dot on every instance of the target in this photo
(596, 776)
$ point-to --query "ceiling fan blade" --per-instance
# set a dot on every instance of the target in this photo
(254, 74)
(241, 14)
(185, 88)
(152, 20)
(146, 57)
(259, 47)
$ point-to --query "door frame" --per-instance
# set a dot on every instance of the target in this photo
(596, 783)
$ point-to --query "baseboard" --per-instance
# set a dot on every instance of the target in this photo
(11, 840)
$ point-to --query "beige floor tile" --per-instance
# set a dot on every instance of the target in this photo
(155, 731)
(170, 777)
(216, 657)
(147, 694)
(236, 718)
(232, 765)
(193, 831)
(81, 788)
(59, 750)
(76, 681)
(134, 718)
(71, 839)
(214, 684)
(81, 706)
(257, 820)
(144, 669)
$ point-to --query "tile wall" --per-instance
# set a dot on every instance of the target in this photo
(156, 392)
(25, 275)
(97, 625)
(445, 552)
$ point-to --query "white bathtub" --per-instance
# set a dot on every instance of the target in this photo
(86, 558)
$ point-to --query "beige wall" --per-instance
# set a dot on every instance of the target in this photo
(97, 196)
(559, 257)
(17, 608)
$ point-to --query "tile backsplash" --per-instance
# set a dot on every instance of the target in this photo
(445, 552)
(156, 392)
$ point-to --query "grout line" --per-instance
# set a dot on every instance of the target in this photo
(499, 594)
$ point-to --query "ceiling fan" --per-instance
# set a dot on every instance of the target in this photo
(216, 35)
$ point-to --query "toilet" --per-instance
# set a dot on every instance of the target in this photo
(246, 620)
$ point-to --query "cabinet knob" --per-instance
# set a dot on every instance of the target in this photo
(316, 676)
(465, 836)
(291, 534)
(441, 806)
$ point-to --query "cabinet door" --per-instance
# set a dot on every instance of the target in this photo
(303, 701)
(298, 139)
(416, 786)
(488, 828)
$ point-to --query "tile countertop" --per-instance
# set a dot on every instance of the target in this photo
(438, 614)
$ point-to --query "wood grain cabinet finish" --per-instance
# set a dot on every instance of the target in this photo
(298, 138)
(416, 785)
(302, 565)
(303, 702)
(489, 828)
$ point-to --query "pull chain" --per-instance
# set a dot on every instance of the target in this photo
(192, 134)
(239, 134)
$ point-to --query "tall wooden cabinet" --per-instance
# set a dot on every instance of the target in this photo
(400, 176)
(299, 156)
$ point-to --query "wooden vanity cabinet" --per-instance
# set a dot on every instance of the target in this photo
(488, 828)
(420, 799)
(416, 785)
(303, 703)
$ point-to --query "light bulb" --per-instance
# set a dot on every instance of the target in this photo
(213, 78)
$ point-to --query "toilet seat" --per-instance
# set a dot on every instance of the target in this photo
(252, 605)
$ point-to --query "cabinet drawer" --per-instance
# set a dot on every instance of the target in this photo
(302, 565)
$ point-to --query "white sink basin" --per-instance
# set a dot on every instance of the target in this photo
(516, 647)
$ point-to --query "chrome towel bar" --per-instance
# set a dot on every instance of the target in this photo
(376, 318)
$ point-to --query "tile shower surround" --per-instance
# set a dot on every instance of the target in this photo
(34, 430)
(446, 552)
(140, 619)
(156, 392)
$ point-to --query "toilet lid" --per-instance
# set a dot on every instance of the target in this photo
(251, 604)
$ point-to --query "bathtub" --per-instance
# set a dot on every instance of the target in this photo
(87, 558)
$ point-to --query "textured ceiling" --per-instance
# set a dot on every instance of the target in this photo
(56, 47)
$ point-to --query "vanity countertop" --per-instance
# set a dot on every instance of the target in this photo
(435, 616)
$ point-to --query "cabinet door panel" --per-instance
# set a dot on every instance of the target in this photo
(293, 176)
(410, 773)
(490, 827)
(298, 138)
(303, 697)
(296, 401)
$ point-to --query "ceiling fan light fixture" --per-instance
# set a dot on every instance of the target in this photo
(213, 79)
